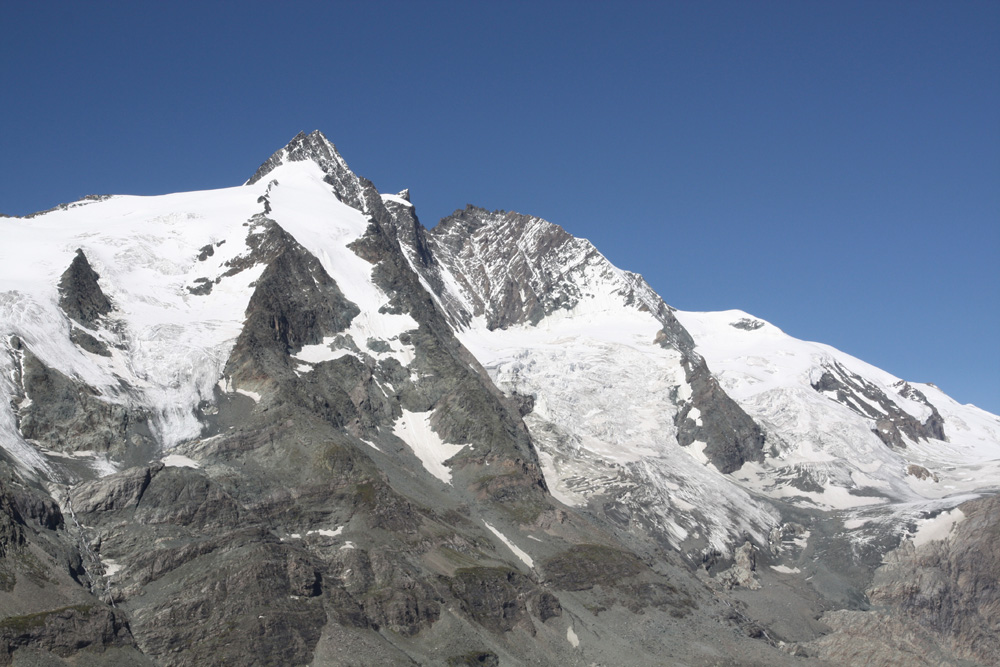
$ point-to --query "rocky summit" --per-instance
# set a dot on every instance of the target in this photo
(284, 423)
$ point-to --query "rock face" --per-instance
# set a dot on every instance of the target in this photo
(348, 439)
(891, 422)
(80, 296)
(66, 415)
(935, 602)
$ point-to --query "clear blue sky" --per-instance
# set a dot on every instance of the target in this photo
(833, 167)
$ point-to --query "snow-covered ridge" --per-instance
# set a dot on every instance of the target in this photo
(830, 435)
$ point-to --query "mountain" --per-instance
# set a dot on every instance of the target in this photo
(285, 423)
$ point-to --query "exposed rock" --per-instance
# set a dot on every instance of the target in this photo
(474, 659)
(295, 303)
(747, 324)
(936, 603)
(494, 597)
(64, 414)
(122, 490)
(11, 524)
(64, 631)
(88, 342)
(80, 295)
(732, 438)
(742, 573)
(892, 423)
(920, 472)
(587, 565)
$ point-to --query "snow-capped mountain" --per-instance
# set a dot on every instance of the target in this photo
(285, 423)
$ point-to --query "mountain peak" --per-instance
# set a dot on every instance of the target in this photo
(313, 146)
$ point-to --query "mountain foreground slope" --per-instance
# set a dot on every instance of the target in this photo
(285, 423)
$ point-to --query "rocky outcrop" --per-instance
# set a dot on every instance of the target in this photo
(294, 303)
(892, 423)
(65, 414)
(730, 435)
(742, 573)
(65, 631)
(80, 295)
(935, 602)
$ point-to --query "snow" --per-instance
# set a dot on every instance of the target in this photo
(784, 569)
(938, 528)
(306, 207)
(770, 374)
(371, 444)
(102, 465)
(571, 637)
(694, 414)
(832, 497)
(168, 345)
(250, 394)
(315, 354)
(697, 451)
(111, 568)
(525, 558)
(172, 344)
(606, 394)
(179, 461)
(415, 430)
(397, 199)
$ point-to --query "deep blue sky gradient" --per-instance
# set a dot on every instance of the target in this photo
(832, 167)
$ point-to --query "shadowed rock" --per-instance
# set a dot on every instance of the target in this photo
(80, 296)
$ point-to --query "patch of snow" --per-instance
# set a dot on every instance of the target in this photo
(697, 451)
(415, 430)
(314, 354)
(784, 569)
(937, 528)
(327, 533)
(525, 558)
(832, 497)
(103, 466)
(397, 199)
(694, 414)
(572, 638)
(371, 444)
(111, 568)
(179, 461)
(347, 545)
(250, 394)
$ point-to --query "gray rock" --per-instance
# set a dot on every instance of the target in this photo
(80, 295)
